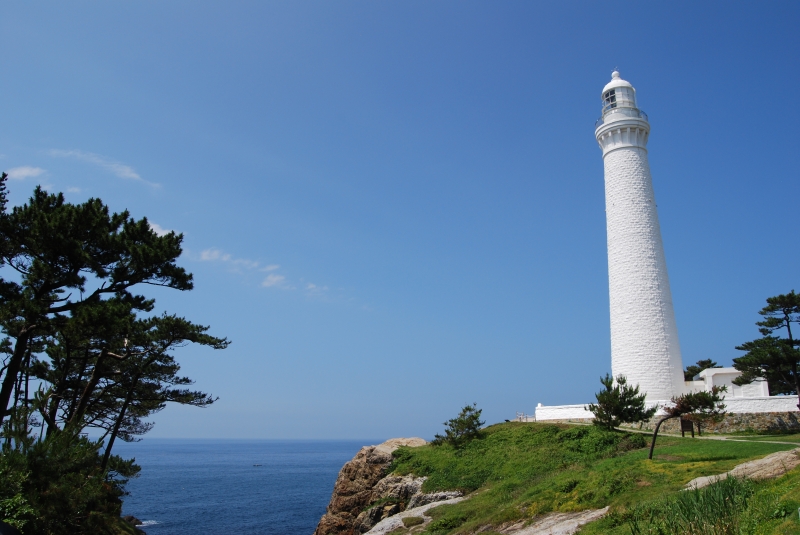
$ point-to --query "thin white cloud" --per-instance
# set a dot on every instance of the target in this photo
(73, 190)
(248, 264)
(158, 229)
(25, 171)
(274, 280)
(117, 168)
(242, 265)
(214, 254)
(314, 290)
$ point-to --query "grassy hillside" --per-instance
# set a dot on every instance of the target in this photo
(522, 470)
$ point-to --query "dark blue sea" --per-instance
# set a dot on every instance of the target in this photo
(215, 486)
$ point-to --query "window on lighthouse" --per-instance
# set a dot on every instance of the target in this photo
(610, 99)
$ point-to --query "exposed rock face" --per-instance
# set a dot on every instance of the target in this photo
(561, 523)
(387, 525)
(769, 467)
(354, 490)
(395, 492)
(420, 499)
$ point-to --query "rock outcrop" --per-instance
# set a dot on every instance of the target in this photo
(387, 525)
(357, 487)
(769, 467)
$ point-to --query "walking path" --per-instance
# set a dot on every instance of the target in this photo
(710, 437)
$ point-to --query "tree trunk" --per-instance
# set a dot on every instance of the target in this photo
(14, 365)
(60, 388)
(69, 410)
(118, 423)
(90, 386)
(655, 434)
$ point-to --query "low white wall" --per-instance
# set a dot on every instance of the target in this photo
(732, 405)
(762, 404)
(562, 412)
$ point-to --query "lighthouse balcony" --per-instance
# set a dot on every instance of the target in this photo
(620, 113)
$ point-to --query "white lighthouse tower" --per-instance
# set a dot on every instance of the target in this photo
(644, 337)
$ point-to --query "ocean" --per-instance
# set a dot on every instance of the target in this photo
(243, 487)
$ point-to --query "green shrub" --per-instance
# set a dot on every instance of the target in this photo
(56, 487)
(446, 524)
(568, 485)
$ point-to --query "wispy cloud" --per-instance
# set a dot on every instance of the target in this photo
(119, 169)
(23, 172)
(214, 254)
(73, 190)
(318, 292)
(274, 280)
(242, 265)
(211, 255)
(158, 229)
(314, 290)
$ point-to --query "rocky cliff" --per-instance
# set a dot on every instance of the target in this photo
(364, 494)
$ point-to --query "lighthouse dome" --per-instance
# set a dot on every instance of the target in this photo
(618, 93)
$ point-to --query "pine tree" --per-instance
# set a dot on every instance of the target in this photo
(774, 358)
(80, 350)
(693, 369)
(463, 428)
(619, 403)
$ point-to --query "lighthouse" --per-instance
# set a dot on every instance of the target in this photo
(644, 336)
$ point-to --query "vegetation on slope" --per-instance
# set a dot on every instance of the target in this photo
(735, 506)
(519, 471)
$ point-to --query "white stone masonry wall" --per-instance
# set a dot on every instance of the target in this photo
(644, 336)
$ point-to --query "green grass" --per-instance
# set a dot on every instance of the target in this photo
(519, 471)
(730, 506)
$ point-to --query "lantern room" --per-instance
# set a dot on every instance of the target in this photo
(619, 96)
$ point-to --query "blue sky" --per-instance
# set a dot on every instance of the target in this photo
(396, 208)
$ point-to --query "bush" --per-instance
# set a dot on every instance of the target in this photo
(56, 487)
(461, 429)
(446, 524)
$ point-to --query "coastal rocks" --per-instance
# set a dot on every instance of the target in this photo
(353, 491)
(132, 520)
(398, 493)
(392, 523)
(391, 493)
(399, 488)
(769, 467)
(424, 499)
(557, 523)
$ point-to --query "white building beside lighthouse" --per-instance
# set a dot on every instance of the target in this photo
(644, 336)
